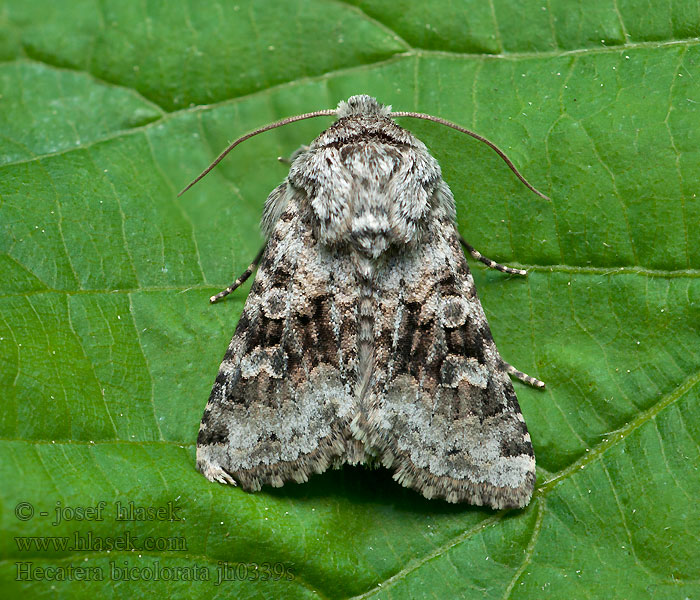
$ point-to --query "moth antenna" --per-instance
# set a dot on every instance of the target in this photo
(489, 143)
(285, 121)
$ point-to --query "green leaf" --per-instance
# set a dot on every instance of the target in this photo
(108, 346)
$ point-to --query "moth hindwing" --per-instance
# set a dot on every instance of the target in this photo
(363, 336)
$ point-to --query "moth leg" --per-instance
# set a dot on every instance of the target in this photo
(288, 161)
(511, 370)
(488, 262)
(240, 280)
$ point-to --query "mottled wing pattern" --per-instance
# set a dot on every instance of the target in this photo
(442, 412)
(281, 405)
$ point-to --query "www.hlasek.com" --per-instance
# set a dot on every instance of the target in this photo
(87, 541)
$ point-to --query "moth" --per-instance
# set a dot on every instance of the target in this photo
(363, 338)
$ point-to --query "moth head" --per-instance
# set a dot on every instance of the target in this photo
(362, 105)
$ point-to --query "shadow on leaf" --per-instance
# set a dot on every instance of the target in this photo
(363, 485)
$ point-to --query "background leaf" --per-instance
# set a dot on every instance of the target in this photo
(108, 347)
